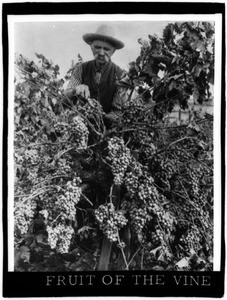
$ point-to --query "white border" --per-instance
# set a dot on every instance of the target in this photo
(217, 144)
(112, 17)
(217, 18)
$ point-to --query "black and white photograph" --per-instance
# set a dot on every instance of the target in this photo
(114, 152)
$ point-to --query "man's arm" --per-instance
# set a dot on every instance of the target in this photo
(75, 86)
(75, 80)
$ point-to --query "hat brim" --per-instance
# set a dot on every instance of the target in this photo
(90, 37)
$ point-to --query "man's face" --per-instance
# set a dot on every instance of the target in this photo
(102, 51)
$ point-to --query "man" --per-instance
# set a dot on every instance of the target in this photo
(97, 78)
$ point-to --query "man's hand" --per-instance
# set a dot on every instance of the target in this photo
(83, 90)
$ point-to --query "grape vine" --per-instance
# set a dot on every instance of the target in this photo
(143, 182)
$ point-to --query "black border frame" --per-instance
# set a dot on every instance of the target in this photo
(34, 284)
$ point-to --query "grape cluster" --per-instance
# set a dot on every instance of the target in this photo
(60, 207)
(79, 132)
(194, 184)
(140, 185)
(93, 107)
(23, 214)
(163, 170)
(157, 236)
(62, 204)
(138, 214)
(192, 239)
(63, 167)
(146, 189)
(148, 202)
(32, 157)
(133, 111)
(66, 203)
(120, 158)
(132, 179)
(162, 179)
(61, 127)
(47, 201)
(110, 220)
(170, 167)
(138, 217)
(60, 237)
(166, 219)
(33, 174)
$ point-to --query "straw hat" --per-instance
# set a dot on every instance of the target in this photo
(104, 33)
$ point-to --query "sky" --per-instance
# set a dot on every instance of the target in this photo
(61, 42)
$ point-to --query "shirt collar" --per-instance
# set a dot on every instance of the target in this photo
(101, 69)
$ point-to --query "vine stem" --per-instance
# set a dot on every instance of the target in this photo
(35, 195)
(122, 251)
(51, 178)
(87, 199)
(134, 255)
(142, 256)
(111, 194)
(163, 231)
(40, 144)
(55, 219)
(63, 152)
(182, 139)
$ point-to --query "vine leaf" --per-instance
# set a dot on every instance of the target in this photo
(54, 101)
(183, 263)
(194, 126)
(23, 254)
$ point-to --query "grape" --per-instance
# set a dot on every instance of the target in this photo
(192, 239)
(24, 214)
(66, 203)
(110, 221)
(60, 236)
(79, 132)
(138, 218)
(120, 158)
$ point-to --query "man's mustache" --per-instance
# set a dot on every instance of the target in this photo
(106, 58)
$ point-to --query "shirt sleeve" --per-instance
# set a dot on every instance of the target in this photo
(75, 80)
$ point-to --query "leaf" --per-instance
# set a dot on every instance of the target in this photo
(183, 263)
(54, 101)
(161, 256)
(56, 68)
(45, 213)
(124, 84)
(137, 82)
(172, 85)
(40, 56)
(24, 253)
(175, 77)
(195, 94)
(39, 238)
(161, 58)
(25, 89)
(196, 70)
(33, 244)
(48, 129)
(154, 251)
(194, 126)
(34, 74)
(140, 237)
(17, 120)
(158, 268)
